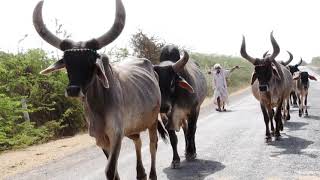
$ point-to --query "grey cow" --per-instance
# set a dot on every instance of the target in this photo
(119, 100)
(271, 85)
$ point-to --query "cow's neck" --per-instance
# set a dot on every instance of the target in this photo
(98, 98)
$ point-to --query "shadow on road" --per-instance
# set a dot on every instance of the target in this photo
(293, 126)
(198, 169)
(292, 145)
(313, 117)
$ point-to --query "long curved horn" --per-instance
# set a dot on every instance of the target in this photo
(289, 60)
(265, 54)
(276, 48)
(41, 28)
(300, 62)
(116, 28)
(243, 52)
(178, 66)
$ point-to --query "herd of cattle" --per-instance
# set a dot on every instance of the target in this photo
(121, 100)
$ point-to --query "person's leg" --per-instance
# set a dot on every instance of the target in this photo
(219, 105)
(223, 108)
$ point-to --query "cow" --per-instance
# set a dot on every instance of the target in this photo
(301, 80)
(119, 100)
(183, 89)
(293, 69)
(271, 84)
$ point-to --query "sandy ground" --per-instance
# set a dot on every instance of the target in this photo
(13, 162)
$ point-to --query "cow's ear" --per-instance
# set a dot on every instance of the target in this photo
(312, 78)
(296, 76)
(101, 73)
(54, 67)
(275, 72)
(253, 78)
(184, 84)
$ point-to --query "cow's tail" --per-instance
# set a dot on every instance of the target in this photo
(162, 131)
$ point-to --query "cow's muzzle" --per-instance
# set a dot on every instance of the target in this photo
(74, 91)
(264, 87)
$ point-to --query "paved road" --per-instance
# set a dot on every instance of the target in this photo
(230, 145)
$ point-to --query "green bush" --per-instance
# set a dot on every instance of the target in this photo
(52, 115)
(239, 78)
(315, 61)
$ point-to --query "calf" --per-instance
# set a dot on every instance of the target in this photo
(302, 85)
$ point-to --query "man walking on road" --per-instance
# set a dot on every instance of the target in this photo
(220, 85)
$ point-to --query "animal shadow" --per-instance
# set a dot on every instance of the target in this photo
(292, 145)
(314, 117)
(197, 169)
(293, 126)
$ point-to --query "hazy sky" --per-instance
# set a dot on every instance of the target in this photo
(210, 26)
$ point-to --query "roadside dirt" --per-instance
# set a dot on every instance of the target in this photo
(13, 162)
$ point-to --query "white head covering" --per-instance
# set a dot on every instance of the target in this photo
(216, 66)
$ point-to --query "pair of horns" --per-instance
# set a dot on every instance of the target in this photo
(102, 41)
(276, 50)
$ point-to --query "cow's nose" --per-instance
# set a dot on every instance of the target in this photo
(73, 91)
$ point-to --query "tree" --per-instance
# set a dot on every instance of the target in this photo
(146, 47)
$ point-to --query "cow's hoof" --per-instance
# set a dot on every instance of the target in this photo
(300, 114)
(272, 133)
(175, 164)
(268, 139)
(153, 177)
(278, 138)
(288, 117)
(191, 156)
(142, 177)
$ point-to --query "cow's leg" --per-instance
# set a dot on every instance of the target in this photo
(153, 150)
(288, 117)
(278, 120)
(141, 174)
(270, 116)
(266, 121)
(115, 146)
(294, 97)
(190, 152)
(305, 105)
(174, 141)
(301, 106)
(185, 136)
(106, 153)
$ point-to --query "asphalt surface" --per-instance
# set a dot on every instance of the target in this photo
(230, 145)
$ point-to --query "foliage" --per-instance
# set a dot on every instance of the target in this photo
(146, 47)
(239, 78)
(315, 61)
(52, 115)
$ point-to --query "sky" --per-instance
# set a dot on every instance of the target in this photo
(207, 26)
